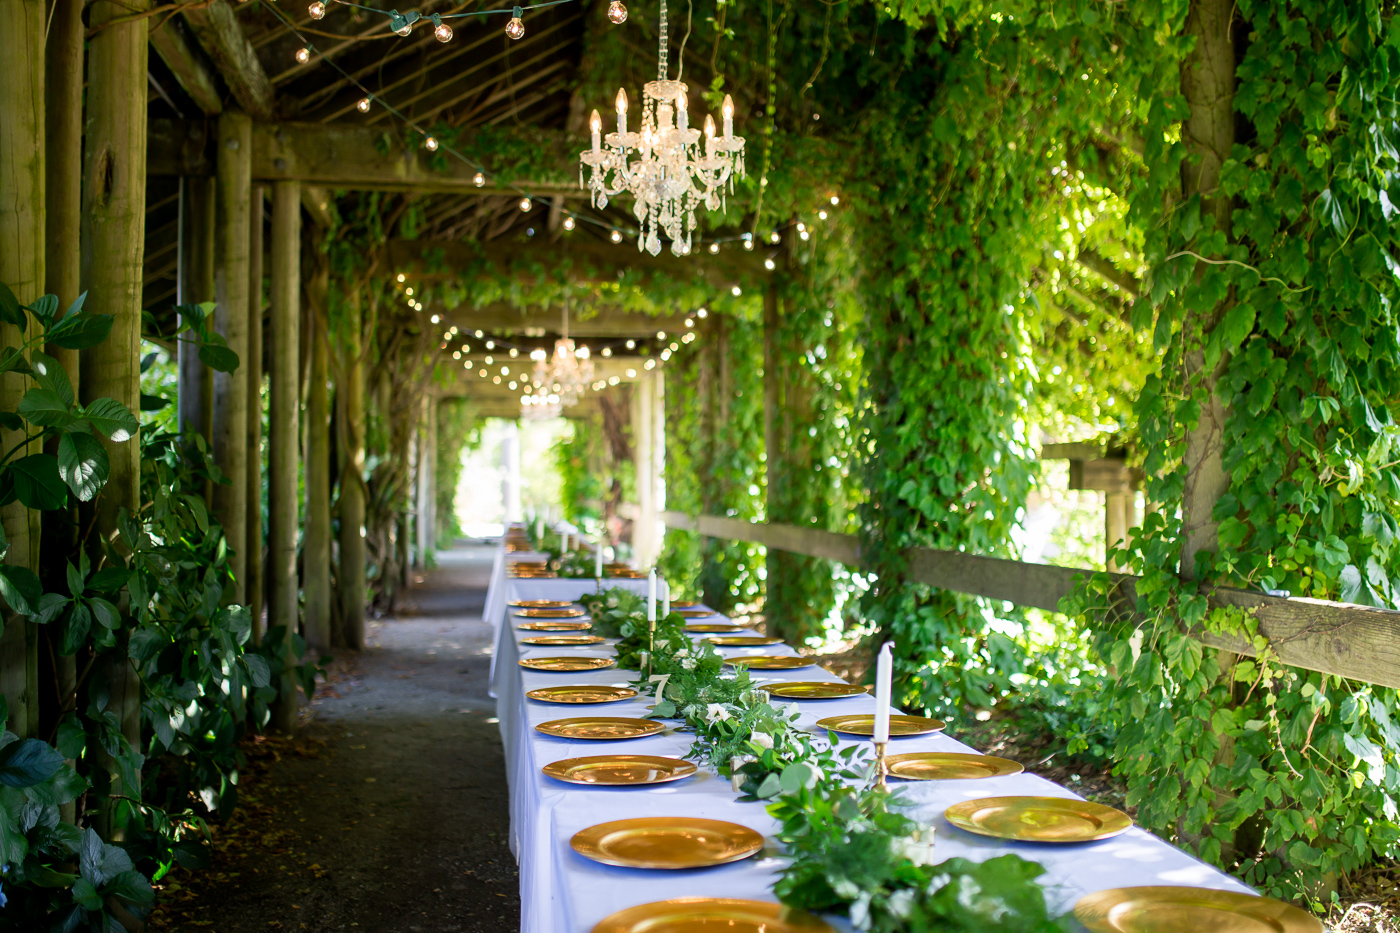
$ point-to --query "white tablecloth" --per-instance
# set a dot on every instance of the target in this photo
(562, 892)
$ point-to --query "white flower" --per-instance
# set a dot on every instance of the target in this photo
(689, 663)
(762, 739)
(860, 911)
(715, 712)
(920, 852)
(901, 902)
(692, 711)
(612, 602)
(845, 888)
(683, 653)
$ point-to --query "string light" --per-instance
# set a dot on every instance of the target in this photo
(821, 214)
(402, 23)
(568, 223)
(748, 241)
(317, 10)
(435, 318)
(774, 238)
(442, 32)
(303, 55)
(607, 351)
(408, 291)
(768, 264)
(401, 277)
(516, 27)
(714, 248)
(689, 322)
(631, 344)
(617, 13)
(736, 291)
(431, 144)
(613, 380)
(525, 204)
(478, 179)
(835, 200)
(616, 236)
(363, 105)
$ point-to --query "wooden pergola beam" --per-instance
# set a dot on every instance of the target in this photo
(345, 156)
(218, 32)
(173, 46)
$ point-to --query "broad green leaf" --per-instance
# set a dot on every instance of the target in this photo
(51, 375)
(111, 419)
(45, 307)
(10, 310)
(82, 331)
(38, 483)
(28, 762)
(1331, 211)
(218, 358)
(109, 579)
(71, 738)
(83, 464)
(12, 359)
(45, 408)
(21, 589)
(153, 402)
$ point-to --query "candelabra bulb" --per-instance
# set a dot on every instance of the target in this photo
(516, 27)
(595, 123)
(431, 143)
(443, 33)
(363, 105)
(709, 126)
(617, 12)
(728, 108)
(622, 100)
(303, 55)
(479, 179)
(317, 10)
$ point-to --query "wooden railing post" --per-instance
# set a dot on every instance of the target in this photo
(252, 369)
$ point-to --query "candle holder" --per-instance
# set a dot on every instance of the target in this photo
(881, 769)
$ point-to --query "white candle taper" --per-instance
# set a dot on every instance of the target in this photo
(598, 559)
(884, 669)
(539, 528)
(651, 596)
(665, 599)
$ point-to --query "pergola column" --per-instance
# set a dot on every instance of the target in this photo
(283, 440)
(195, 284)
(252, 369)
(427, 483)
(232, 208)
(510, 474)
(316, 536)
(350, 398)
(22, 131)
(114, 242)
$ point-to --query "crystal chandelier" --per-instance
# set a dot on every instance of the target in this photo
(664, 167)
(558, 381)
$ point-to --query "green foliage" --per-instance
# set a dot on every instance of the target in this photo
(610, 608)
(581, 490)
(457, 431)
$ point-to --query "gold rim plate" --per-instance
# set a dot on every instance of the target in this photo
(562, 625)
(563, 640)
(566, 665)
(704, 914)
(669, 842)
(743, 641)
(706, 627)
(540, 603)
(771, 662)
(814, 690)
(1179, 909)
(686, 604)
(549, 613)
(693, 613)
(1038, 819)
(601, 728)
(619, 770)
(582, 693)
(864, 724)
(949, 766)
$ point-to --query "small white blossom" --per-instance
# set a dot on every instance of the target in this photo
(901, 902)
(683, 653)
(715, 712)
(689, 663)
(860, 911)
(612, 602)
(761, 738)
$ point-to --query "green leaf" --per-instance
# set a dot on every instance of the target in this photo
(45, 307)
(85, 895)
(798, 775)
(83, 464)
(111, 418)
(28, 762)
(45, 408)
(38, 483)
(104, 612)
(10, 310)
(771, 786)
(153, 402)
(109, 579)
(81, 332)
(51, 375)
(21, 589)
(71, 738)
(218, 358)
(1331, 210)
(12, 359)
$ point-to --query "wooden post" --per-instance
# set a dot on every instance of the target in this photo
(22, 134)
(253, 371)
(195, 284)
(427, 483)
(316, 536)
(1117, 521)
(63, 171)
(114, 242)
(232, 208)
(283, 431)
(351, 403)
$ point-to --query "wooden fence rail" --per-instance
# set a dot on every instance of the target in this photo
(1358, 642)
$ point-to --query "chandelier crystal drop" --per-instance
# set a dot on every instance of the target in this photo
(665, 166)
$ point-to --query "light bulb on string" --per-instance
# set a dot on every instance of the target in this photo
(363, 105)
(748, 241)
(616, 236)
(403, 23)
(821, 214)
(317, 10)
(525, 204)
(714, 248)
(479, 179)
(430, 144)
(774, 238)
(303, 55)
(442, 32)
(617, 13)
(835, 200)
(568, 223)
(516, 27)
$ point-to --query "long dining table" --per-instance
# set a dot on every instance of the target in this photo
(564, 892)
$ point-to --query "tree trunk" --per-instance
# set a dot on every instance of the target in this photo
(351, 398)
(233, 195)
(253, 372)
(22, 202)
(283, 434)
(114, 241)
(316, 537)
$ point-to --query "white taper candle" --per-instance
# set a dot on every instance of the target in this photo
(665, 599)
(651, 595)
(884, 670)
(598, 559)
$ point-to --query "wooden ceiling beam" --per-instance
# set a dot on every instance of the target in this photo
(172, 43)
(218, 31)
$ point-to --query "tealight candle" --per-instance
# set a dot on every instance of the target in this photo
(884, 667)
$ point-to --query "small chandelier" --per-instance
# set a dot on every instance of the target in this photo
(558, 381)
(670, 174)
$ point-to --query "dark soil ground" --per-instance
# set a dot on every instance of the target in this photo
(388, 812)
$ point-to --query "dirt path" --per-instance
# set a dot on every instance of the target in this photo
(389, 813)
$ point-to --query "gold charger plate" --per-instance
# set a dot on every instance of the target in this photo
(1038, 819)
(864, 724)
(1179, 909)
(540, 603)
(582, 693)
(619, 770)
(549, 613)
(561, 626)
(565, 665)
(600, 727)
(563, 640)
(685, 604)
(693, 613)
(771, 662)
(743, 641)
(949, 766)
(704, 627)
(707, 914)
(813, 690)
(666, 842)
